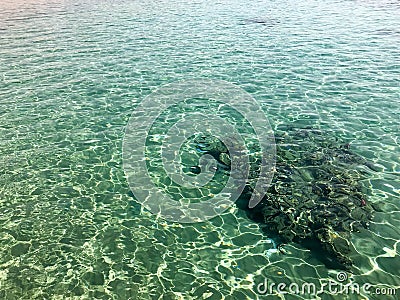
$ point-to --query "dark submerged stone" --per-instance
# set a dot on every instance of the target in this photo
(316, 198)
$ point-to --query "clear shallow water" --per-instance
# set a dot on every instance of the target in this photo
(71, 74)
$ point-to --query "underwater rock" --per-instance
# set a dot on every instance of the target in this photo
(195, 170)
(316, 197)
(269, 22)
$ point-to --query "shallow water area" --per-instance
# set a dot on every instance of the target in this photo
(72, 72)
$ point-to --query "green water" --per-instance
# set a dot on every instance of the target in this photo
(71, 72)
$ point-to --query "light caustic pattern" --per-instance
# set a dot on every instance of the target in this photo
(197, 122)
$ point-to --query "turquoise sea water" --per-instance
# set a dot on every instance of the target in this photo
(72, 72)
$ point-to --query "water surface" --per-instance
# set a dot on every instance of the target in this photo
(73, 71)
